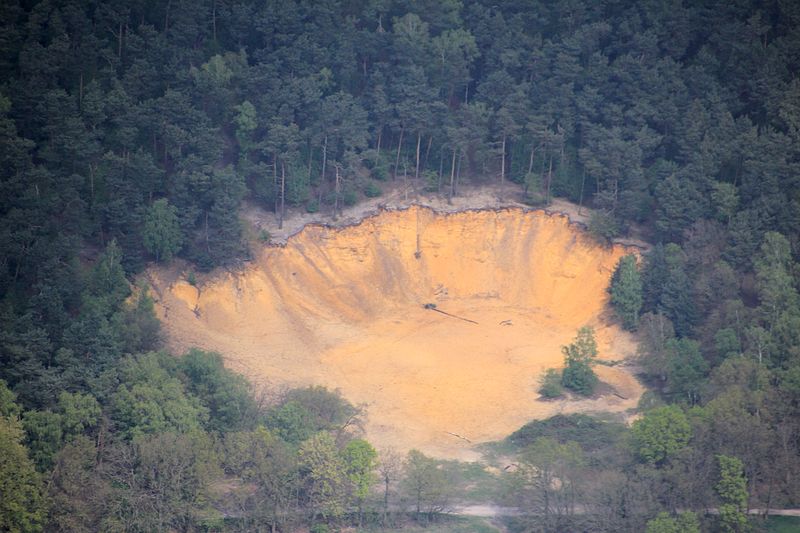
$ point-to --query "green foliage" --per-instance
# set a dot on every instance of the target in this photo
(626, 292)
(725, 199)
(226, 396)
(372, 190)
(136, 324)
(726, 343)
(167, 481)
(79, 412)
(590, 432)
(546, 480)
(349, 198)
(779, 298)
(425, 483)
(660, 434)
(603, 226)
(324, 475)
(656, 332)
(732, 491)
(550, 384)
(292, 422)
(8, 405)
(23, 506)
(686, 371)
(162, 234)
(685, 522)
(246, 123)
(304, 412)
(151, 399)
(360, 460)
(136, 127)
(579, 356)
(533, 190)
(107, 284)
(45, 436)
(667, 287)
(77, 493)
(264, 460)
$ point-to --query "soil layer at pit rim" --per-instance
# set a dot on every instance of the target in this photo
(345, 308)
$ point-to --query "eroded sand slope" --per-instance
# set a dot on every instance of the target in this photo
(344, 308)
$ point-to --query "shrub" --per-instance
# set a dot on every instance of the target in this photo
(550, 384)
(349, 198)
(372, 190)
(603, 226)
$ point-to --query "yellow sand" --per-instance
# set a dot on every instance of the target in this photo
(344, 308)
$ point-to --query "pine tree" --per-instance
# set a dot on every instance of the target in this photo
(626, 292)
(162, 232)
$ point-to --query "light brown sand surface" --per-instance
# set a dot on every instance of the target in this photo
(344, 308)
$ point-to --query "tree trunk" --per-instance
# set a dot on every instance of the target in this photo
(458, 171)
(166, 17)
(310, 159)
(378, 150)
(419, 140)
(214, 20)
(385, 498)
(405, 181)
(324, 158)
(530, 163)
(452, 178)
(503, 162)
(283, 195)
(549, 179)
(336, 193)
(208, 246)
(530, 168)
(275, 186)
(399, 147)
(427, 152)
(441, 171)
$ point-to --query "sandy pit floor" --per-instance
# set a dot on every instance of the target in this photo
(344, 307)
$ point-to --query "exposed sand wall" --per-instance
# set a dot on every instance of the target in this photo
(343, 307)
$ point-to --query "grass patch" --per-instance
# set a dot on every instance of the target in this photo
(443, 524)
(472, 482)
(782, 524)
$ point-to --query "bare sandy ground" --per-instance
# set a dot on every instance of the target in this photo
(344, 307)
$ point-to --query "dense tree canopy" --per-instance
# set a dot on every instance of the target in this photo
(133, 131)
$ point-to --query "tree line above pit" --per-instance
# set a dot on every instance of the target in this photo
(132, 131)
(653, 114)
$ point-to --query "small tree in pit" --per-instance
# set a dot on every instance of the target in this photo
(579, 357)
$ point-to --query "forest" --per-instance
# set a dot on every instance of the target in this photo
(131, 131)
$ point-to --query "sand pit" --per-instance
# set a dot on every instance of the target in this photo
(344, 308)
